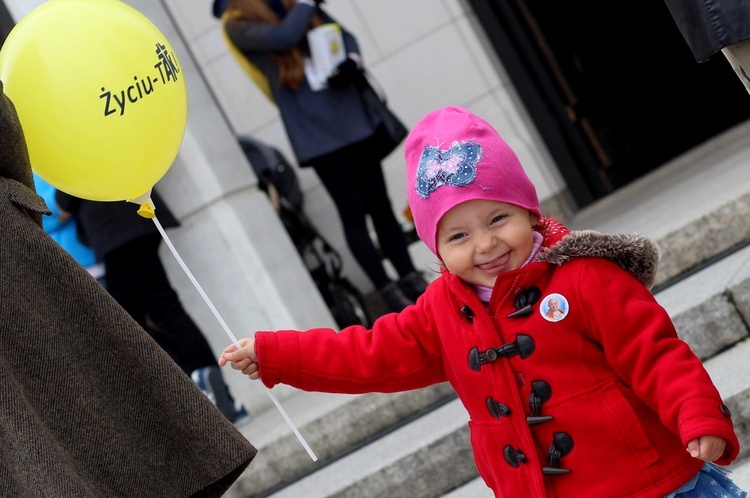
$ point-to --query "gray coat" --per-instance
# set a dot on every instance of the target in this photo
(317, 123)
(90, 406)
(710, 25)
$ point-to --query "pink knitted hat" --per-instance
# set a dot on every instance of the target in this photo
(453, 156)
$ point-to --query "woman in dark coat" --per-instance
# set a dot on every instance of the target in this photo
(90, 405)
(329, 129)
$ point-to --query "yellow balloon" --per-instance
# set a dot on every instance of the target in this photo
(100, 95)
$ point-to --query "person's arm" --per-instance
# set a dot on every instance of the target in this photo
(401, 352)
(643, 349)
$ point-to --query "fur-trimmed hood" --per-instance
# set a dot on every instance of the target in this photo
(634, 253)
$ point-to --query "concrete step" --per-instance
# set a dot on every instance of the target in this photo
(711, 309)
(687, 248)
(730, 371)
(740, 473)
(332, 425)
(694, 207)
(476, 488)
(407, 463)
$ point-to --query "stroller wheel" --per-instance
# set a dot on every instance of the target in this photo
(347, 304)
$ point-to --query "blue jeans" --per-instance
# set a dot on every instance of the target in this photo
(710, 482)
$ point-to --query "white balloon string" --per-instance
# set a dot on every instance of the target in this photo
(195, 282)
(230, 334)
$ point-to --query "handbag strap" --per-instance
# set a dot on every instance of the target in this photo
(375, 85)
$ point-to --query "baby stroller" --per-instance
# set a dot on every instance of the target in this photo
(277, 179)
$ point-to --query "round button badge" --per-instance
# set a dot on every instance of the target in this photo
(554, 307)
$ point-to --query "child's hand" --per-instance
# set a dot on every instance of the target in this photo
(707, 448)
(243, 359)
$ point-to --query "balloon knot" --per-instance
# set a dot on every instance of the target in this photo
(147, 210)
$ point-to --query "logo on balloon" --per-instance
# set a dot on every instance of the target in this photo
(167, 70)
(100, 95)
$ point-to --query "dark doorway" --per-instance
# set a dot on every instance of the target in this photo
(612, 86)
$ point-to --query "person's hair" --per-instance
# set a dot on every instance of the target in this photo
(291, 64)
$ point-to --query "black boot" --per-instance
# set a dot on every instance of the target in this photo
(413, 285)
(394, 297)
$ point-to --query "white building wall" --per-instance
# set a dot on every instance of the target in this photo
(424, 53)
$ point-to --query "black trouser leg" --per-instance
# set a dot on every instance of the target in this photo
(137, 280)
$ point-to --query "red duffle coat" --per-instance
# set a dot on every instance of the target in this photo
(600, 403)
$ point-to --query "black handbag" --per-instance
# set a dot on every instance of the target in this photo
(392, 131)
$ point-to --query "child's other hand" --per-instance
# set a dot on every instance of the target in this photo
(707, 448)
(243, 359)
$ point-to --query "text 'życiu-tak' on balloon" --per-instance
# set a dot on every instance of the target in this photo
(167, 72)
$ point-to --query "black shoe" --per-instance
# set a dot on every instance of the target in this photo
(211, 382)
(394, 297)
(413, 285)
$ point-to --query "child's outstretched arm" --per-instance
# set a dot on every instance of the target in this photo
(243, 359)
(707, 448)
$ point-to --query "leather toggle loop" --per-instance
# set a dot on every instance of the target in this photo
(540, 393)
(524, 302)
(513, 456)
(523, 346)
(497, 409)
(562, 444)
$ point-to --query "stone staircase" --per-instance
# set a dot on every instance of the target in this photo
(416, 444)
